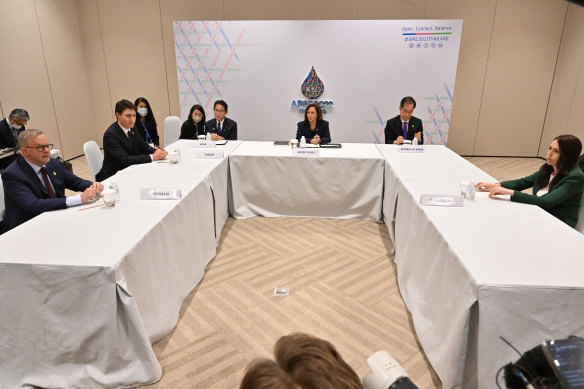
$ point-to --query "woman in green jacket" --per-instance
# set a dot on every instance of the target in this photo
(557, 186)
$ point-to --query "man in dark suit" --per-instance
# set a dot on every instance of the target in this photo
(221, 127)
(10, 127)
(122, 146)
(404, 126)
(35, 183)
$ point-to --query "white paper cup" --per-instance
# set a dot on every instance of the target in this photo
(109, 200)
(173, 157)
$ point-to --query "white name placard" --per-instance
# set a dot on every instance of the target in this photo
(209, 154)
(411, 149)
(438, 200)
(160, 194)
(307, 152)
(203, 144)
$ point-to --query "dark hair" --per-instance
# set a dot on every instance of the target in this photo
(123, 105)
(570, 149)
(220, 102)
(19, 113)
(201, 110)
(318, 112)
(149, 119)
(407, 100)
(314, 363)
(266, 374)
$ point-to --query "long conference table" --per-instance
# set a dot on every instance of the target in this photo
(84, 293)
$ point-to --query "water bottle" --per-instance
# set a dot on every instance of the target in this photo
(415, 141)
(302, 142)
(471, 191)
(208, 136)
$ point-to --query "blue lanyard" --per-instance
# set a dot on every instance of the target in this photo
(147, 134)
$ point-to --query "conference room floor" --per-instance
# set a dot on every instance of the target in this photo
(343, 288)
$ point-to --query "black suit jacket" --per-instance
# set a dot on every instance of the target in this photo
(322, 130)
(7, 139)
(139, 129)
(119, 151)
(393, 129)
(26, 196)
(189, 130)
(229, 130)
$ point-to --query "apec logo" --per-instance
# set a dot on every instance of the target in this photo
(426, 36)
(312, 88)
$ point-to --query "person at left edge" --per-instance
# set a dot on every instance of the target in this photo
(221, 127)
(146, 125)
(35, 183)
(122, 147)
(314, 129)
(10, 127)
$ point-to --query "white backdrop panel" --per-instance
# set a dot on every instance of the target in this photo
(366, 66)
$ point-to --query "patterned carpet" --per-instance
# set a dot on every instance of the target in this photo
(342, 284)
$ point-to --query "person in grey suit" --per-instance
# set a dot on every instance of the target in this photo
(404, 126)
(122, 146)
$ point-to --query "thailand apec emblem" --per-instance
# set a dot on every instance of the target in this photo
(312, 87)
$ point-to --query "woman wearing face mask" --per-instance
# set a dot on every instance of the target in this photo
(195, 124)
(145, 122)
(557, 186)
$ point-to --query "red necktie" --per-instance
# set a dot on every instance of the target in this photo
(47, 182)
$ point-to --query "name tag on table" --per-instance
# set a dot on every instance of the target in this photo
(160, 194)
(438, 200)
(209, 154)
(306, 152)
(203, 144)
(411, 149)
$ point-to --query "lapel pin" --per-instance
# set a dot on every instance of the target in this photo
(54, 174)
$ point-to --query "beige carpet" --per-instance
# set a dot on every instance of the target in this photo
(342, 284)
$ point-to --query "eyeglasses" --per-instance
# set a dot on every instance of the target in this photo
(41, 148)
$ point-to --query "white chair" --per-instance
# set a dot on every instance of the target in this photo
(172, 126)
(94, 157)
(580, 224)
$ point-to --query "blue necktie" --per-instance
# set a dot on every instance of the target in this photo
(405, 130)
(219, 128)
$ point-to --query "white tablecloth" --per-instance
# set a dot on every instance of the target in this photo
(492, 268)
(84, 293)
(437, 163)
(268, 180)
(215, 170)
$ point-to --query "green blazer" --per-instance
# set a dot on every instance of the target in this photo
(563, 201)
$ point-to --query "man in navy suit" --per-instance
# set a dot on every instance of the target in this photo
(35, 183)
(10, 127)
(221, 127)
(122, 146)
(404, 126)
